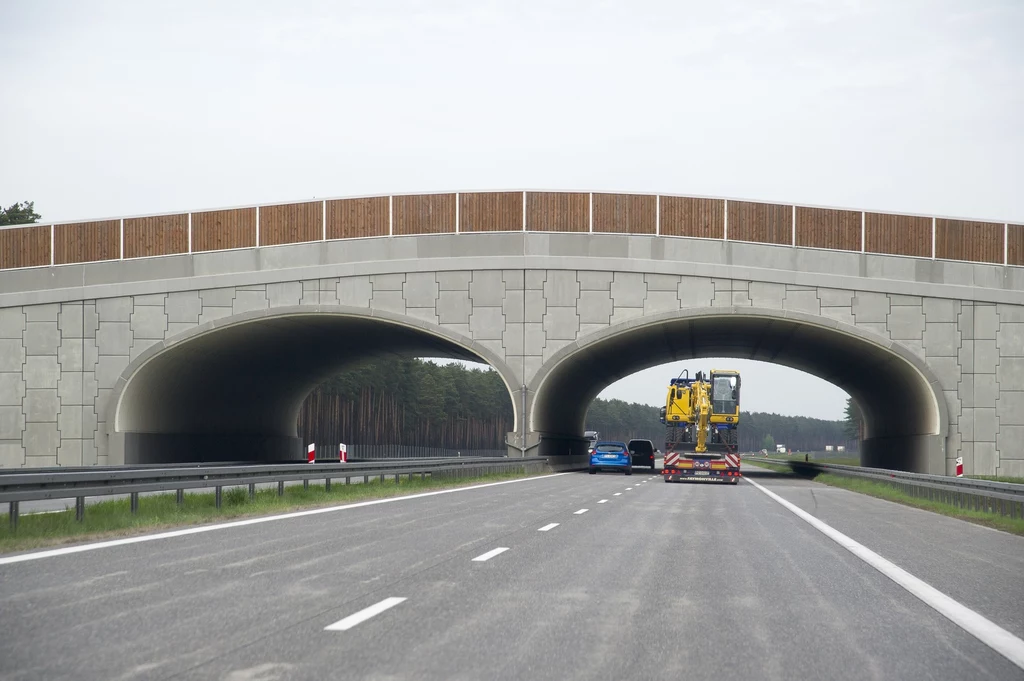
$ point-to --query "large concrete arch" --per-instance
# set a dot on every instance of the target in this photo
(231, 389)
(904, 409)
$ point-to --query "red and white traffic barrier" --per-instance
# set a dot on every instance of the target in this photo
(959, 466)
(311, 453)
(343, 453)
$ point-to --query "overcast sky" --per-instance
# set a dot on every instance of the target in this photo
(121, 108)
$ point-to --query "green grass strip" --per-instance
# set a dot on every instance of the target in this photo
(112, 519)
(883, 491)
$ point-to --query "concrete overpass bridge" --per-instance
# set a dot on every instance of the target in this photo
(198, 335)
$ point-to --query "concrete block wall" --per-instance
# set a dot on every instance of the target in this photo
(59, 362)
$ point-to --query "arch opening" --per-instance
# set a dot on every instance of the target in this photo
(232, 390)
(902, 405)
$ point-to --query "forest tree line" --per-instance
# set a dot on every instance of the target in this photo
(419, 403)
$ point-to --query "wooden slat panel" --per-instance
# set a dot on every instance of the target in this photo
(352, 218)
(491, 212)
(25, 247)
(625, 213)
(898, 234)
(682, 216)
(222, 229)
(291, 223)
(766, 223)
(827, 228)
(156, 235)
(87, 242)
(557, 212)
(423, 214)
(973, 241)
(1015, 245)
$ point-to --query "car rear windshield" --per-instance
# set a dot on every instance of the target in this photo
(641, 446)
(609, 448)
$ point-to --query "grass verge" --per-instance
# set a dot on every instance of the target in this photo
(884, 491)
(113, 519)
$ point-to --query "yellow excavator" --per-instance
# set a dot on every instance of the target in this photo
(701, 417)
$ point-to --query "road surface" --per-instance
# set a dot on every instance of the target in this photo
(563, 577)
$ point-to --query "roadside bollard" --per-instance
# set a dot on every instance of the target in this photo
(311, 453)
(959, 466)
(343, 453)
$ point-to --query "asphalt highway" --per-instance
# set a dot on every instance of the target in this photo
(564, 577)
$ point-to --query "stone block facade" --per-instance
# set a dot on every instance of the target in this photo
(60, 362)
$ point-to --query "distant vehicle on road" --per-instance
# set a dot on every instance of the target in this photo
(593, 436)
(642, 452)
(612, 456)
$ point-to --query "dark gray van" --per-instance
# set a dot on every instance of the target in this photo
(642, 452)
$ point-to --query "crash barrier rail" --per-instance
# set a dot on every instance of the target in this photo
(987, 496)
(34, 486)
(371, 452)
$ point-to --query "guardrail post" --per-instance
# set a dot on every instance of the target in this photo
(134, 502)
(13, 511)
(252, 491)
(327, 484)
(218, 496)
(305, 484)
(280, 488)
(397, 476)
(79, 509)
(179, 497)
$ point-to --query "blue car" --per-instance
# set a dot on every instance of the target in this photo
(610, 456)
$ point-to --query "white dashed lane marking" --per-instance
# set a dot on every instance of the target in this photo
(363, 615)
(490, 554)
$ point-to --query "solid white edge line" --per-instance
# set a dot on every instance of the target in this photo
(986, 631)
(250, 521)
(603, 501)
(364, 614)
(549, 526)
(581, 511)
(490, 554)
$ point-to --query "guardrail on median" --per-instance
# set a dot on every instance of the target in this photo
(988, 496)
(78, 484)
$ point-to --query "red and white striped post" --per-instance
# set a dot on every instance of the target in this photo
(959, 466)
(343, 453)
(311, 453)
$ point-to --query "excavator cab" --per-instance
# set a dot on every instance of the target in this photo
(725, 393)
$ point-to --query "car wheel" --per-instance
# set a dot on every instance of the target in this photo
(629, 471)
(593, 471)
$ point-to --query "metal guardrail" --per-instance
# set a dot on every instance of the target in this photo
(79, 484)
(987, 496)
